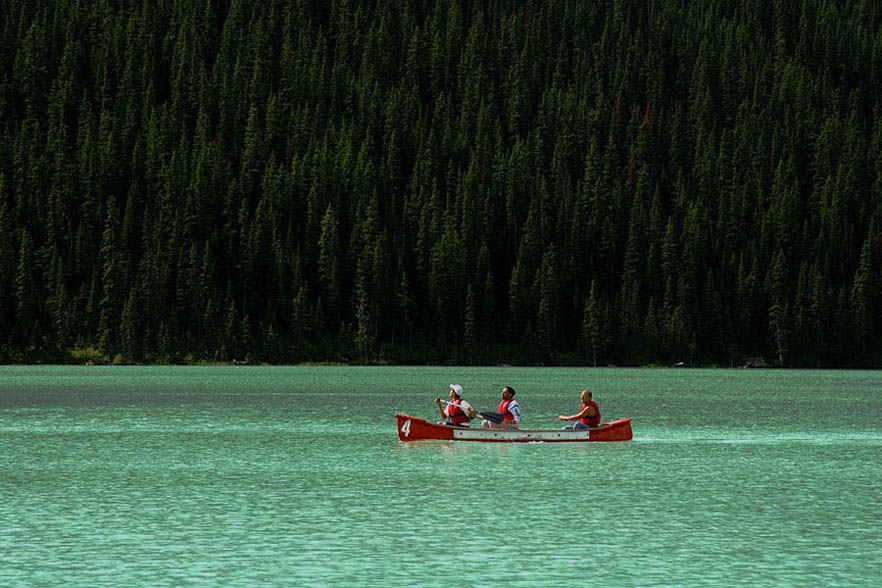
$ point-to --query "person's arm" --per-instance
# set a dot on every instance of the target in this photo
(467, 408)
(587, 411)
(441, 410)
(516, 412)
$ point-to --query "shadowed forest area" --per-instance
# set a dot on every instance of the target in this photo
(406, 181)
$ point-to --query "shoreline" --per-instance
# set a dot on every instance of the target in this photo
(406, 364)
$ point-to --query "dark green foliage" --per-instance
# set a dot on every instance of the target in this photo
(475, 181)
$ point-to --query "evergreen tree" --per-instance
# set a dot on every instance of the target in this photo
(592, 336)
(365, 338)
(329, 271)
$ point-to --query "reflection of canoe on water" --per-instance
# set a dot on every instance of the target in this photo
(417, 429)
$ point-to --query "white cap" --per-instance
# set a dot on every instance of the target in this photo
(457, 389)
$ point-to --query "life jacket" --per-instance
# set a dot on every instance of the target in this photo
(503, 408)
(456, 414)
(593, 421)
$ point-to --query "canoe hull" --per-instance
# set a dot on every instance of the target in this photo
(417, 429)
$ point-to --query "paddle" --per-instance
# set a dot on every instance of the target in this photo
(493, 417)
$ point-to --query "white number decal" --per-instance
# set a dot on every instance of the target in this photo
(405, 428)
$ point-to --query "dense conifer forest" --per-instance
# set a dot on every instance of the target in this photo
(519, 181)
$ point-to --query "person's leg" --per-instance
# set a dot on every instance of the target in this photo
(580, 426)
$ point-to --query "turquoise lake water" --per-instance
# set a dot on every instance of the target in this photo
(294, 476)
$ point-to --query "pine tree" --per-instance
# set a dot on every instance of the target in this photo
(365, 338)
(27, 310)
(329, 271)
(592, 336)
(548, 309)
(130, 328)
(779, 311)
(470, 328)
(864, 296)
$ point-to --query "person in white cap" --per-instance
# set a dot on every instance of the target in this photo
(457, 410)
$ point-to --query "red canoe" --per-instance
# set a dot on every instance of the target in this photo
(417, 429)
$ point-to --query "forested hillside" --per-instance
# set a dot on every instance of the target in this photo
(559, 181)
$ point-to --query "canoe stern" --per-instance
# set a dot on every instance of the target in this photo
(619, 430)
